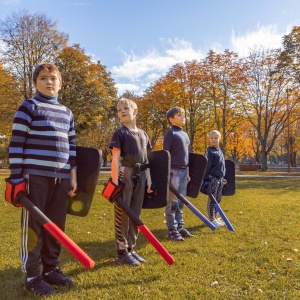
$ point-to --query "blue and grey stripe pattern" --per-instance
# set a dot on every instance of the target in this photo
(43, 139)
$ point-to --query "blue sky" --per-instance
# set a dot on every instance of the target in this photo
(138, 41)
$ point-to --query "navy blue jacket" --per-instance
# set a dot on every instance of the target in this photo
(215, 164)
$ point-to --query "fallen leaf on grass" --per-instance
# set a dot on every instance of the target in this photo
(287, 239)
(272, 275)
(289, 259)
(244, 234)
(296, 250)
(260, 270)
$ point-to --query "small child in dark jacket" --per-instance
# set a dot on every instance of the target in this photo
(214, 174)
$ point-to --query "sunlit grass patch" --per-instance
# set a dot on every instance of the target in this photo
(260, 260)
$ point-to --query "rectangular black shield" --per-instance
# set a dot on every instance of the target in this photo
(197, 167)
(159, 162)
(88, 169)
(229, 189)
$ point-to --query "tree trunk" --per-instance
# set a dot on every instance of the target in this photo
(264, 161)
(293, 159)
(104, 157)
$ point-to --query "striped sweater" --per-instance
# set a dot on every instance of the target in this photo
(43, 139)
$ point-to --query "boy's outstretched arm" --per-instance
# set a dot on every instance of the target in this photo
(116, 152)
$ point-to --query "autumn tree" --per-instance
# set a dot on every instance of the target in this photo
(264, 99)
(89, 91)
(153, 106)
(223, 76)
(289, 57)
(188, 92)
(10, 99)
(181, 86)
(241, 142)
(29, 39)
(289, 60)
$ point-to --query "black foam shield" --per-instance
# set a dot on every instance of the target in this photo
(229, 189)
(88, 169)
(159, 162)
(197, 167)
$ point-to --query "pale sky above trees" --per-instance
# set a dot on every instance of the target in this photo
(140, 40)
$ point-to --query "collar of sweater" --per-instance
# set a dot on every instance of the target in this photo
(176, 127)
(47, 99)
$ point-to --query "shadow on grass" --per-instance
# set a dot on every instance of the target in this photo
(14, 288)
(103, 253)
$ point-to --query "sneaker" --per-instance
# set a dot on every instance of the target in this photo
(175, 236)
(184, 233)
(217, 223)
(38, 286)
(221, 221)
(128, 259)
(137, 257)
(57, 277)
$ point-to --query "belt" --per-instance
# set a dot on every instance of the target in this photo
(137, 169)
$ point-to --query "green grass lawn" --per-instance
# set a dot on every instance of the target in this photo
(260, 260)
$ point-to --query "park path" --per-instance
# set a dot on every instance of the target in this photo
(268, 176)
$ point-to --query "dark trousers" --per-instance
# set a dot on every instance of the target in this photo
(38, 247)
(126, 232)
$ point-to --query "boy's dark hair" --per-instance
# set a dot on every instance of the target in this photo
(173, 111)
(45, 66)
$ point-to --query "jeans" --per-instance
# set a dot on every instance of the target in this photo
(174, 208)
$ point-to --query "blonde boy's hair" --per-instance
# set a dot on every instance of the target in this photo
(173, 111)
(47, 67)
(127, 102)
(217, 132)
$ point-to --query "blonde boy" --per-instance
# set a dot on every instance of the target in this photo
(129, 146)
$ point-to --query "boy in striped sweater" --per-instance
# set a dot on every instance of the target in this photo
(42, 150)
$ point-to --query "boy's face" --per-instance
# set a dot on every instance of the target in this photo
(214, 140)
(48, 83)
(126, 113)
(178, 120)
